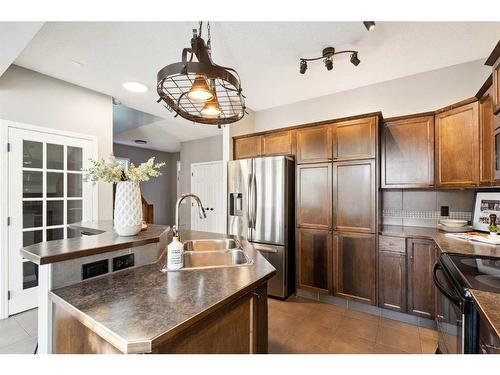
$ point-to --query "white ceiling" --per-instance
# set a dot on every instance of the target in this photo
(266, 55)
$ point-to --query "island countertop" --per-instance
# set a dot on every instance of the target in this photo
(137, 309)
(102, 239)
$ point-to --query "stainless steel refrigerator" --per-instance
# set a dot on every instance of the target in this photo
(261, 196)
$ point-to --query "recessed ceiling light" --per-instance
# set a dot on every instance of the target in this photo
(370, 25)
(140, 141)
(135, 86)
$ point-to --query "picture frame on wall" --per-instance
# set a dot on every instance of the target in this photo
(485, 204)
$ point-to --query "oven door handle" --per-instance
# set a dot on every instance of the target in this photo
(441, 288)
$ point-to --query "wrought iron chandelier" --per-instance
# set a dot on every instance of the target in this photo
(201, 91)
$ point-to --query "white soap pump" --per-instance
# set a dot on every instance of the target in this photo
(175, 260)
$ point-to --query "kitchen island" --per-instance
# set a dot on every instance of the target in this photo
(144, 310)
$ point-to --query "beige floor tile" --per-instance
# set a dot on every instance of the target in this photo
(361, 315)
(345, 344)
(405, 340)
(395, 324)
(326, 318)
(296, 345)
(428, 344)
(385, 349)
(11, 332)
(24, 346)
(364, 329)
(426, 332)
(313, 334)
(283, 324)
(28, 320)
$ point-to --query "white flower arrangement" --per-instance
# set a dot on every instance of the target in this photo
(113, 171)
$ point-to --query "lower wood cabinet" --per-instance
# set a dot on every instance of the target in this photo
(314, 260)
(421, 256)
(354, 266)
(392, 280)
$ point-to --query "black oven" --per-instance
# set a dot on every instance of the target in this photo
(456, 317)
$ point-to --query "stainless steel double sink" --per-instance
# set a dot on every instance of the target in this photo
(215, 253)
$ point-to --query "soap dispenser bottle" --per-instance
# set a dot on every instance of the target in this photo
(175, 260)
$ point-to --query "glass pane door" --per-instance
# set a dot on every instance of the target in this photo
(46, 194)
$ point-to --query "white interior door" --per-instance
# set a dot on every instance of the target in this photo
(207, 182)
(46, 193)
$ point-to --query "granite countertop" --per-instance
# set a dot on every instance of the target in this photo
(445, 244)
(137, 309)
(488, 304)
(103, 239)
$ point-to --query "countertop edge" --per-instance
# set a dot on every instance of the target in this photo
(484, 314)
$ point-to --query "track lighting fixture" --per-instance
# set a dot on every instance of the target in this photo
(354, 59)
(303, 66)
(370, 25)
(329, 63)
(327, 56)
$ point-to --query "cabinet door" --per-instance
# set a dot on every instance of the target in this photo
(314, 196)
(421, 256)
(354, 196)
(314, 144)
(486, 140)
(279, 143)
(457, 147)
(354, 266)
(355, 139)
(496, 87)
(314, 260)
(408, 153)
(392, 280)
(247, 147)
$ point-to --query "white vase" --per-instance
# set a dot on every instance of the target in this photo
(128, 208)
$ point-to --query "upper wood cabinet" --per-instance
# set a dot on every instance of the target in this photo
(407, 148)
(314, 260)
(355, 139)
(354, 266)
(457, 147)
(354, 196)
(486, 140)
(496, 87)
(247, 147)
(277, 143)
(314, 144)
(421, 256)
(314, 196)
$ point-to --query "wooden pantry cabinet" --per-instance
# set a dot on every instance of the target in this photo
(354, 196)
(354, 270)
(355, 139)
(314, 260)
(314, 196)
(457, 146)
(407, 153)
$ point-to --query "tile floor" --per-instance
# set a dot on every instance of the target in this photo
(18, 333)
(297, 326)
(305, 326)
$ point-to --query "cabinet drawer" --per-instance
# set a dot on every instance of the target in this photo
(388, 243)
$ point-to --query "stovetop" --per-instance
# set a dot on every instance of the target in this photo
(481, 273)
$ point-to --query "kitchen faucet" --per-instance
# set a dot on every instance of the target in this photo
(201, 210)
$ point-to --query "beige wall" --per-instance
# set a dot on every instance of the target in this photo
(197, 151)
(33, 98)
(161, 191)
(413, 94)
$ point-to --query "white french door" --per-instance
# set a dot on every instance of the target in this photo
(46, 193)
(207, 182)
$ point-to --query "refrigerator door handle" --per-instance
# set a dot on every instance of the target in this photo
(249, 205)
(254, 199)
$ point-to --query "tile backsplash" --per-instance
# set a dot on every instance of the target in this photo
(422, 207)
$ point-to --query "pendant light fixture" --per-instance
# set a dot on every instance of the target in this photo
(201, 91)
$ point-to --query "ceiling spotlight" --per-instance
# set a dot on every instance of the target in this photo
(303, 66)
(140, 141)
(200, 92)
(135, 86)
(370, 25)
(329, 63)
(354, 59)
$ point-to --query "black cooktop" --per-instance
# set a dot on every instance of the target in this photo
(481, 273)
